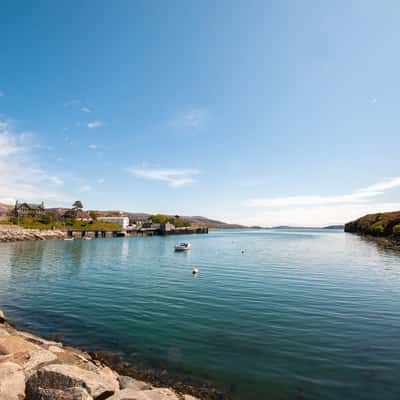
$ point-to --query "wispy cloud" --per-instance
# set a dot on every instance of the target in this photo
(85, 188)
(173, 177)
(86, 109)
(1, 93)
(21, 177)
(92, 146)
(358, 196)
(94, 124)
(193, 119)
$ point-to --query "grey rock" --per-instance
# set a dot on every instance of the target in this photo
(154, 394)
(63, 377)
(12, 381)
(126, 382)
(56, 394)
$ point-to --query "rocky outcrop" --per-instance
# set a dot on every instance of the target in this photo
(12, 233)
(384, 227)
(32, 368)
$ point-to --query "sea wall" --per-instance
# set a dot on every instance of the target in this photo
(33, 368)
(12, 233)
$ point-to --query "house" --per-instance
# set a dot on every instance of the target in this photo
(23, 209)
(122, 221)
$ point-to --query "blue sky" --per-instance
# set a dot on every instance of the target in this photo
(258, 112)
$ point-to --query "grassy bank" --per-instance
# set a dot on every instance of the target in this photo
(30, 223)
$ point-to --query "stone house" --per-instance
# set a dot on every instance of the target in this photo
(23, 209)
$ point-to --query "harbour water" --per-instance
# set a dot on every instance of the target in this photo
(299, 314)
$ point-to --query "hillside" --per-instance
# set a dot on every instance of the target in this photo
(386, 225)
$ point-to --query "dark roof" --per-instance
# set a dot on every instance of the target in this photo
(31, 206)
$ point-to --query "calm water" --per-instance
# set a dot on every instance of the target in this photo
(300, 313)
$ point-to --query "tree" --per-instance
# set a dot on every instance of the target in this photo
(93, 215)
(77, 205)
(159, 218)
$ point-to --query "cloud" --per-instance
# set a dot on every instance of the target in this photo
(1, 93)
(21, 177)
(316, 216)
(86, 109)
(92, 146)
(358, 196)
(85, 188)
(100, 181)
(194, 118)
(94, 124)
(56, 180)
(173, 177)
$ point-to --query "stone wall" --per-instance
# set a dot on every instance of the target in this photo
(12, 233)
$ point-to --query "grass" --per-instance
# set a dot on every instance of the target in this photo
(31, 223)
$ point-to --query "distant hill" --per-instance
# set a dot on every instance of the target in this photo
(307, 227)
(5, 208)
(210, 223)
(379, 225)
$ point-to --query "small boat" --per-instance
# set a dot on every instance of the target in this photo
(87, 238)
(68, 238)
(182, 246)
(195, 271)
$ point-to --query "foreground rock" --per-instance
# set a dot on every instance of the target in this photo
(12, 233)
(32, 368)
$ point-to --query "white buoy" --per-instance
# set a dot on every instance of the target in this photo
(195, 271)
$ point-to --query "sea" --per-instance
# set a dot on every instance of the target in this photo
(272, 314)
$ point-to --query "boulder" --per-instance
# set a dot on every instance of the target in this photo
(189, 397)
(39, 358)
(36, 339)
(154, 394)
(126, 382)
(12, 381)
(2, 317)
(56, 394)
(15, 344)
(64, 377)
(56, 349)
(3, 332)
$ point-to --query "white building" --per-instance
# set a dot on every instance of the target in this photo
(122, 221)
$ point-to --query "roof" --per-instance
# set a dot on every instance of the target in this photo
(31, 206)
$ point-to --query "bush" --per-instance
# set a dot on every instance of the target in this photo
(378, 228)
(396, 230)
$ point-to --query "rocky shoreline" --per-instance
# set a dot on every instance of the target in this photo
(33, 368)
(13, 233)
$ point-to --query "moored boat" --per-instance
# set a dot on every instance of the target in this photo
(184, 246)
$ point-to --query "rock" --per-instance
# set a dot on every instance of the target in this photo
(2, 317)
(12, 382)
(36, 339)
(15, 344)
(56, 349)
(63, 377)
(154, 394)
(39, 358)
(3, 332)
(126, 382)
(56, 394)
(109, 372)
(189, 397)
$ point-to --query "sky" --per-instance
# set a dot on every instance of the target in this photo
(252, 112)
